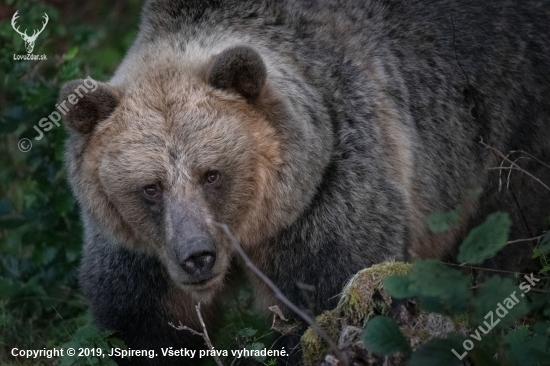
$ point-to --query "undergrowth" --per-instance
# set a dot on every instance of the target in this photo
(507, 314)
(40, 232)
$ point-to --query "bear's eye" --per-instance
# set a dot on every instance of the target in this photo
(152, 191)
(212, 177)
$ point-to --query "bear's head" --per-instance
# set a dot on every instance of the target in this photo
(160, 156)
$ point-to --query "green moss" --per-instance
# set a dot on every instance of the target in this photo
(314, 347)
(364, 295)
(423, 335)
(361, 297)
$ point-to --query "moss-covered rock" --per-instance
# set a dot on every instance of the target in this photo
(313, 347)
(362, 298)
(364, 295)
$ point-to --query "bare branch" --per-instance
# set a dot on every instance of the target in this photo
(184, 327)
(529, 239)
(513, 165)
(509, 172)
(203, 335)
(519, 169)
(281, 296)
(529, 156)
(464, 265)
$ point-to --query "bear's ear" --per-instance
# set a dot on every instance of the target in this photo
(87, 102)
(240, 69)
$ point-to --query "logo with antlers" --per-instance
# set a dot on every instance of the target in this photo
(29, 40)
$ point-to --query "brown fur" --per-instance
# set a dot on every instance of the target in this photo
(330, 129)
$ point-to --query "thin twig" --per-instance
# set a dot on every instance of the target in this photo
(519, 169)
(530, 156)
(500, 173)
(203, 335)
(513, 165)
(540, 291)
(509, 172)
(184, 327)
(205, 332)
(464, 265)
(281, 296)
(529, 239)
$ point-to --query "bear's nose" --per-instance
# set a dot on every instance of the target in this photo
(199, 265)
(198, 260)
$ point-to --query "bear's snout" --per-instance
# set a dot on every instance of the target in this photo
(191, 249)
(197, 257)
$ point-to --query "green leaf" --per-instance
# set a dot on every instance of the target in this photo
(522, 350)
(442, 221)
(435, 283)
(256, 346)
(71, 54)
(497, 296)
(117, 343)
(544, 247)
(434, 305)
(485, 240)
(399, 286)
(87, 333)
(247, 332)
(484, 354)
(518, 351)
(540, 342)
(437, 352)
(382, 336)
(436, 279)
(517, 336)
(543, 329)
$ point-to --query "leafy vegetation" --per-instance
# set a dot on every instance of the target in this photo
(382, 335)
(507, 318)
(40, 233)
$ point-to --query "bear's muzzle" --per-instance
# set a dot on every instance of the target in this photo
(197, 257)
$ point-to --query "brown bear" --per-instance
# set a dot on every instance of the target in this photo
(321, 132)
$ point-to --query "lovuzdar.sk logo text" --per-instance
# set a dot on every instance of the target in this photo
(29, 40)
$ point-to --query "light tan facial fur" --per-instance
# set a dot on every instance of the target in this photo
(170, 128)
